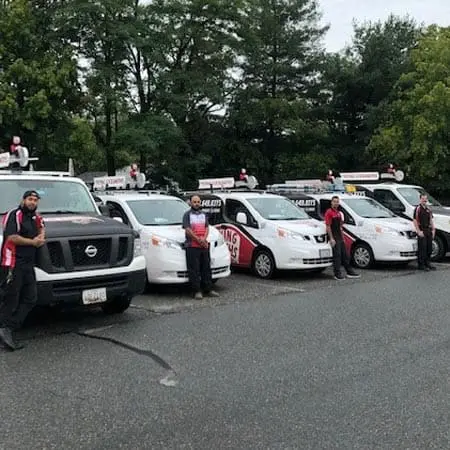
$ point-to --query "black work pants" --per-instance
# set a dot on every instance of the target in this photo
(198, 263)
(340, 258)
(18, 295)
(424, 248)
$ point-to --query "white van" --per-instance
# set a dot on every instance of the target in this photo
(158, 218)
(372, 232)
(402, 199)
(266, 232)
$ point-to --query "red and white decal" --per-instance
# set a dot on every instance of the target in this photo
(239, 243)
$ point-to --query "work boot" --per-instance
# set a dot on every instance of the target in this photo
(353, 274)
(431, 267)
(198, 296)
(7, 339)
(212, 294)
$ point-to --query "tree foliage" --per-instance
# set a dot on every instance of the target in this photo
(416, 133)
(198, 88)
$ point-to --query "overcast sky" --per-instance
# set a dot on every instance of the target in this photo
(340, 13)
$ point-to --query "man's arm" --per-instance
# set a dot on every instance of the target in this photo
(416, 222)
(11, 232)
(328, 220)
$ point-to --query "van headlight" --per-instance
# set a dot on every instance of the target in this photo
(387, 230)
(137, 247)
(158, 241)
(282, 233)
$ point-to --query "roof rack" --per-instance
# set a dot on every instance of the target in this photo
(129, 192)
(315, 187)
(228, 184)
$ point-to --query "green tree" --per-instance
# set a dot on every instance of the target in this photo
(416, 132)
(360, 81)
(39, 88)
(279, 57)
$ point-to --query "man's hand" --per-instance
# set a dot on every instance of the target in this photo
(204, 243)
(420, 234)
(332, 242)
(38, 241)
(433, 233)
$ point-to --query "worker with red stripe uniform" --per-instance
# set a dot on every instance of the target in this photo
(334, 222)
(23, 233)
(424, 224)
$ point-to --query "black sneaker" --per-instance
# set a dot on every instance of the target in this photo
(353, 275)
(339, 277)
(430, 267)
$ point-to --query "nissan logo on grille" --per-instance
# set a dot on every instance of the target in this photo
(90, 251)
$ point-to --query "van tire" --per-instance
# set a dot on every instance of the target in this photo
(362, 256)
(263, 264)
(439, 248)
(117, 305)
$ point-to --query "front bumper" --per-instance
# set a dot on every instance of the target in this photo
(67, 288)
(169, 266)
(393, 250)
(69, 292)
(306, 256)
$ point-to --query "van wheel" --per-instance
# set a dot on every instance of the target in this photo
(362, 256)
(439, 250)
(263, 264)
(117, 306)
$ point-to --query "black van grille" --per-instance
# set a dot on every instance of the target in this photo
(69, 255)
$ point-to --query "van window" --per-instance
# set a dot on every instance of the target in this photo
(388, 199)
(233, 207)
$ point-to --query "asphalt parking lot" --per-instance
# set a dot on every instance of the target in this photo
(296, 362)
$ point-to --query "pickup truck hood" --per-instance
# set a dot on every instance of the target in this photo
(68, 225)
(307, 226)
(174, 232)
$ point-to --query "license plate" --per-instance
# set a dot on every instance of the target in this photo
(91, 296)
(326, 253)
(414, 246)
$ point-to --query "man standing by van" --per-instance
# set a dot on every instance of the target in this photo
(23, 233)
(424, 224)
(334, 222)
(198, 258)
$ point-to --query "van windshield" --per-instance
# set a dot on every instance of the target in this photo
(158, 212)
(368, 208)
(58, 196)
(273, 208)
(412, 196)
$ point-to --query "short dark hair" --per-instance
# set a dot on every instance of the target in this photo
(195, 195)
(334, 197)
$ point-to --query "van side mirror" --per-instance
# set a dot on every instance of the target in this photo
(241, 217)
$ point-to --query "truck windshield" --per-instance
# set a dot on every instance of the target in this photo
(412, 196)
(158, 212)
(273, 208)
(368, 208)
(57, 196)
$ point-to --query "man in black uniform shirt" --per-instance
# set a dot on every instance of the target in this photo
(424, 224)
(23, 233)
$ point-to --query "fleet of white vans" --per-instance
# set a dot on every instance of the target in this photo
(264, 232)
(372, 232)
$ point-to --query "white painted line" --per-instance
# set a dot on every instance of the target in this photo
(93, 330)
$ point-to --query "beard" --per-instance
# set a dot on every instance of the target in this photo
(28, 209)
